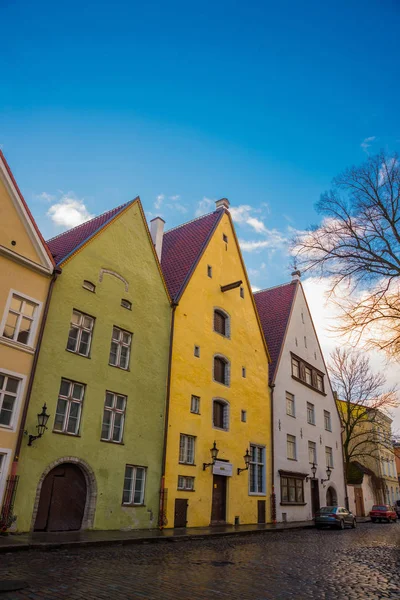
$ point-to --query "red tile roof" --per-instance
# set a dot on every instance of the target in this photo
(68, 242)
(274, 306)
(182, 247)
(30, 216)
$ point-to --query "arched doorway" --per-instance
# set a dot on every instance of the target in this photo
(62, 499)
(331, 496)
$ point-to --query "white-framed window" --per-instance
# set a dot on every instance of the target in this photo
(295, 368)
(5, 455)
(220, 414)
(327, 420)
(20, 318)
(89, 286)
(120, 348)
(69, 407)
(80, 333)
(257, 469)
(312, 452)
(10, 393)
(243, 416)
(185, 483)
(186, 449)
(112, 428)
(329, 456)
(290, 406)
(310, 413)
(320, 382)
(134, 484)
(222, 324)
(291, 447)
(195, 404)
(308, 374)
(221, 369)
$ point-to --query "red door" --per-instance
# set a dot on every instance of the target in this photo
(62, 500)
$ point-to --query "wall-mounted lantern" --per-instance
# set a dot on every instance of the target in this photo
(313, 471)
(42, 417)
(214, 453)
(328, 474)
(246, 462)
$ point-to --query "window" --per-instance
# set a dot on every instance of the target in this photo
(21, 320)
(80, 333)
(257, 469)
(209, 271)
(312, 452)
(221, 323)
(69, 407)
(242, 292)
(302, 317)
(305, 341)
(292, 491)
(221, 414)
(186, 449)
(134, 482)
(120, 348)
(290, 410)
(310, 413)
(291, 446)
(295, 368)
(195, 405)
(126, 304)
(225, 238)
(113, 417)
(327, 420)
(221, 370)
(329, 456)
(320, 382)
(308, 374)
(9, 388)
(185, 483)
(88, 285)
(196, 351)
(243, 371)
(243, 416)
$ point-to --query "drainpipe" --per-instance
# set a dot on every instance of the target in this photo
(273, 495)
(56, 273)
(162, 521)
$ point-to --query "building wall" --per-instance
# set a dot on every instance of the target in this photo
(123, 248)
(191, 375)
(298, 426)
(368, 495)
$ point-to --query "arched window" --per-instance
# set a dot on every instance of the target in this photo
(220, 414)
(222, 322)
(88, 285)
(221, 370)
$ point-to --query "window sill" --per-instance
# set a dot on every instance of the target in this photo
(220, 383)
(293, 503)
(77, 353)
(66, 433)
(17, 345)
(133, 505)
(295, 459)
(263, 494)
(309, 423)
(227, 337)
(220, 428)
(187, 464)
(289, 415)
(184, 490)
(311, 387)
(121, 369)
(7, 427)
(112, 442)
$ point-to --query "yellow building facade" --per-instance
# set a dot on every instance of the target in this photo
(219, 400)
(26, 269)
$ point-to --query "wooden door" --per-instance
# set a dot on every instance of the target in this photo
(261, 511)
(180, 515)
(314, 496)
(62, 500)
(359, 500)
(218, 508)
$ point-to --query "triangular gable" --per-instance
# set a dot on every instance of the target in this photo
(274, 306)
(66, 244)
(24, 214)
(182, 249)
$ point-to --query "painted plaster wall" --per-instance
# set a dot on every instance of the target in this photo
(191, 375)
(298, 426)
(368, 495)
(123, 247)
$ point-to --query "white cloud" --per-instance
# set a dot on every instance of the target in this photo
(70, 211)
(159, 201)
(275, 240)
(366, 143)
(242, 215)
(174, 198)
(204, 206)
(45, 196)
(254, 288)
(178, 207)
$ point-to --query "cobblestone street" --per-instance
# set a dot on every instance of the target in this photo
(360, 564)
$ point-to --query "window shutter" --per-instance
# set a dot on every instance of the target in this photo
(219, 322)
(219, 370)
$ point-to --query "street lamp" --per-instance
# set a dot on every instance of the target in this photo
(313, 471)
(214, 453)
(328, 474)
(246, 462)
(42, 417)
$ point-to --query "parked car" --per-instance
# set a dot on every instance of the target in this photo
(397, 508)
(334, 516)
(383, 512)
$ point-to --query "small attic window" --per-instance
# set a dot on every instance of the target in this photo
(242, 292)
(225, 238)
(209, 270)
(126, 304)
(88, 285)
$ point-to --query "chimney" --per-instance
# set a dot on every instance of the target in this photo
(296, 275)
(223, 203)
(157, 233)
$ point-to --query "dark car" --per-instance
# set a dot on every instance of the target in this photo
(397, 508)
(383, 512)
(334, 516)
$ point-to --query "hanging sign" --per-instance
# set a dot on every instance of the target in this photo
(222, 468)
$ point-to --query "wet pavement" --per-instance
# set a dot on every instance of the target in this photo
(362, 564)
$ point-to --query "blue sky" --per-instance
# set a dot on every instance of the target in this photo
(261, 102)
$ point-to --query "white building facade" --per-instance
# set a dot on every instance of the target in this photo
(308, 459)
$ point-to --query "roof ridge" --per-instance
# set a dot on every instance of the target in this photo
(274, 287)
(189, 222)
(90, 220)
